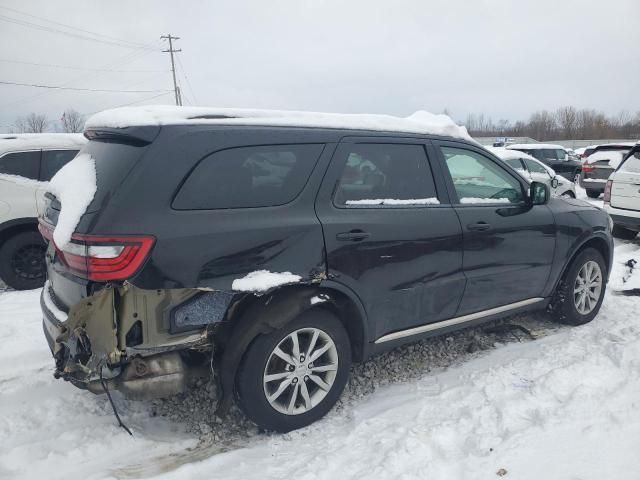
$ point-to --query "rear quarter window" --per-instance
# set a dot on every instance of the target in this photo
(54, 160)
(246, 177)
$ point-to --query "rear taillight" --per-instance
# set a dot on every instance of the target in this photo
(103, 258)
(588, 168)
(607, 191)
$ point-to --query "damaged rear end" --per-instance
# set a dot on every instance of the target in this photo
(142, 296)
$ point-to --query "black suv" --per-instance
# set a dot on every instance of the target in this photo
(279, 255)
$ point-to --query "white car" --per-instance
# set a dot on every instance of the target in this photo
(27, 162)
(622, 196)
(533, 169)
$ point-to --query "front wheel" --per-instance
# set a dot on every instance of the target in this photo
(293, 376)
(579, 294)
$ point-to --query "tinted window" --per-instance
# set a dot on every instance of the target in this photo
(54, 160)
(631, 164)
(477, 179)
(25, 164)
(246, 177)
(386, 174)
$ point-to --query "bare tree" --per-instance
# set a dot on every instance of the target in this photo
(72, 121)
(567, 118)
(32, 123)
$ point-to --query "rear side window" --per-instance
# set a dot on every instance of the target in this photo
(631, 164)
(386, 174)
(24, 164)
(54, 160)
(245, 177)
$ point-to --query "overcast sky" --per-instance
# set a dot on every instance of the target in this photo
(503, 58)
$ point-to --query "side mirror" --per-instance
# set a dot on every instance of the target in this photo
(539, 193)
(555, 182)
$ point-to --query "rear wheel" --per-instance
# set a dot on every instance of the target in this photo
(22, 264)
(579, 295)
(593, 193)
(623, 233)
(293, 376)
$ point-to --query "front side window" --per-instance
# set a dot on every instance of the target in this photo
(246, 177)
(24, 164)
(54, 160)
(386, 174)
(477, 179)
(516, 164)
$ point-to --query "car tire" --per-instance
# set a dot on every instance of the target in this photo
(268, 402)
(22, 264)
(593, 193)
(567, 305)
(623, 233)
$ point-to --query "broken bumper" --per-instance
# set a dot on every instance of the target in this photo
(85, 348)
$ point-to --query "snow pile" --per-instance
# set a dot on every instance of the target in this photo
(507, 154)
(625, 271)
(263, 280)
(395, 201)
(483, 200)
(74, 186)
(420, 122)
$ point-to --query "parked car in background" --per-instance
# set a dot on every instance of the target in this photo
(535, 170)
(622, 196)
(27, 162)
(555, 156)
(367, 233)
(598, 166)
(584, 152)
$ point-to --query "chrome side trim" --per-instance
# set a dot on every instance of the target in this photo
(456, 321)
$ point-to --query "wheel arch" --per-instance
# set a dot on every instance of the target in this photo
(254, 315)
(15, 226)
(599, 243)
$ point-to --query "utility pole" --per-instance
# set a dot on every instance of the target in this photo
(171, 51)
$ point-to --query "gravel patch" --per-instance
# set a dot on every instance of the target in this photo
(195, 408)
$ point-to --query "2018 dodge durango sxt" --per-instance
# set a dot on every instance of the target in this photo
(280, 247)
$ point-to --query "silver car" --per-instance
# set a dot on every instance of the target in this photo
(533, 169)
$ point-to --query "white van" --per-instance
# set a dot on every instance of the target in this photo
(622, 196)
(27, 162)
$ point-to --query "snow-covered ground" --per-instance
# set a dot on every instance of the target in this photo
(565, 405)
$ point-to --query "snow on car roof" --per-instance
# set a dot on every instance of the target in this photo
(30, 141)
(420, 122)
(506, 154)
(533, 146)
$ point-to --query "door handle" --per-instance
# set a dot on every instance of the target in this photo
(352, 236)
(480, 226)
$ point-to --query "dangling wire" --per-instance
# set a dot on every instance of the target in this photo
(113, 406)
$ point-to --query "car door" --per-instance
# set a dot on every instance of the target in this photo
(391, 235)
(508, 243)
(625, 190)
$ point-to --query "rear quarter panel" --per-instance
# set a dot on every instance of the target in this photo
(211, 248)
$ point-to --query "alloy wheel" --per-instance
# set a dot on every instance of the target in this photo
(587, 287)
(300, 371)
(28, 262)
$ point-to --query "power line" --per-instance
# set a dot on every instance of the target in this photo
(59, 87)
(68, 67)
(77, 28)
(184, 74)
(124, 60)
(132, 103)
(46, 28)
